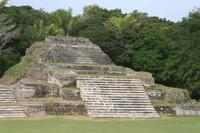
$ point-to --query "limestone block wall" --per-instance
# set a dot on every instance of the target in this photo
(23, 92)
(68, 49)
(188, 110)
(65, 109)
(35, 110)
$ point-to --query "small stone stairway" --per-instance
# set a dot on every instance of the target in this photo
(84, 60)
(8, 109)
(115, 97)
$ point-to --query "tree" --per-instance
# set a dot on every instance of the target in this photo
(62, 21)
(183, 66)
(3, 3)
(121, 24)
(8, 31)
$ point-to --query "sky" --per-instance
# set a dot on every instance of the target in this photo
(173, 10)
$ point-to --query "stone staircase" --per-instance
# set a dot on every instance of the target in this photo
(7, 109)
(10, 111)
(115, 97)
(6, 95)
(83, 60)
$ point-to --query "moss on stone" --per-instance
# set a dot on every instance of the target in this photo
(159, 87)
(70, 85)
(16, 72)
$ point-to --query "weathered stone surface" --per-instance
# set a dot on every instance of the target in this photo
(188, 110)
(166, 110)
(168, 94)
(176, 96)
(155, 95)
(70, 94)
(65, 109)
(7, 97)
(115, 97)
(59, 61)
(23, 92)
(35, 110)
(71, 50)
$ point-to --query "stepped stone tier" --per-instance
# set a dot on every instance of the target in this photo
(115, 97)
(7, 110)
(109, 91)
(75, 50)
(69, 56)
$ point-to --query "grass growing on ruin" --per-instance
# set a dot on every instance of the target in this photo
(159, 87)
(62, 125)
(16, 71)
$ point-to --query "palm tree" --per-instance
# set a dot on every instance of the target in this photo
(3, 3)
(8, 30)
(122, 24)
(41, 30)
(62, 20)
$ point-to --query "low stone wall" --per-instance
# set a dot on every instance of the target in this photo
(166, 110)
(176, 96)
(23, 92)
(65, 109)
(35, 110)
(188, 110)
(70, 94)
(54, 109)
(179, 110)
(72, 47)
(155, 95)
(170, 96)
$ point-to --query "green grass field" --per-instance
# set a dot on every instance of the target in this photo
(64, 125)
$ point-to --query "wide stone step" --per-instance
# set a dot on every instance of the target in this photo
(89, 78)
(112, 90)
(6, 91)
(126, 115)
(112, 83)
(111, 87)
(83, 60)
(11, 108)
(112, 96)
(12, 112)
(119, 107)
(12, 116)
(109, 108)
(120, 112)
(116, 99)
(127, 99)
(2, 87)
(7, 101)
(109, 98)
(99, 92)
(6, 96)
(135, 101)
(118, 102)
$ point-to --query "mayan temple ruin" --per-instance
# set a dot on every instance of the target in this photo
(72, 76)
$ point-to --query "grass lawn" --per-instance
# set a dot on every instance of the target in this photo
(71, 125)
